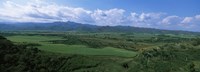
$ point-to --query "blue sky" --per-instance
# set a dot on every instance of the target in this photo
(173, 7)
(162, 14)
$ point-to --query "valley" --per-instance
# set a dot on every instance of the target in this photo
(110, 51)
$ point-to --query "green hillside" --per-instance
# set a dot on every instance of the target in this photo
(98, 52)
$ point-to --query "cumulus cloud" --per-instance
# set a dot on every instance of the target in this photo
(41, 11)
(108, 17)
(197, 17)
(171, 20)
(145, 19)
(191, 23)
(187, 20)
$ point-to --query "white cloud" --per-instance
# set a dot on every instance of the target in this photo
(179, 23)
(171, 20)
(145, 19)
(187, 20)
(197, 17)
(191, 22)
(108, 17)
(42, 12)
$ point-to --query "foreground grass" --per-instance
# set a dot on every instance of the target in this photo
(70, 49)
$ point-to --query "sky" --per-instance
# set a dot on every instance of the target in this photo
(160, 14)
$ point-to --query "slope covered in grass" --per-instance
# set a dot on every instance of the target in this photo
(70, 49)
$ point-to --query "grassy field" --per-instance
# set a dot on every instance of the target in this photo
(104, 52)
(70, 49)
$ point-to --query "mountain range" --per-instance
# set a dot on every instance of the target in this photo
(73, 26)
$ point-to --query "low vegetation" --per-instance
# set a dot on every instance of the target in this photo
(98, 52)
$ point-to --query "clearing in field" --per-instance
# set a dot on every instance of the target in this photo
(70, 49)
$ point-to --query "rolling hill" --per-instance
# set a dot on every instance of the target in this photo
(73, 26)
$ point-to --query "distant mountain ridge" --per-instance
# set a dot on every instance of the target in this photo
(72, 26)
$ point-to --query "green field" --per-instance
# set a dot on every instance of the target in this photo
(99, 52)
(70, 49)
